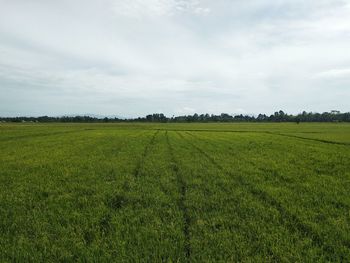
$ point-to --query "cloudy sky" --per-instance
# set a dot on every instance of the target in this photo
(134, 57)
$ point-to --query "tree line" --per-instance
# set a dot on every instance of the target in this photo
(278, 116)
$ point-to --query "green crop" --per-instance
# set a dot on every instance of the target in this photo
(249, 192)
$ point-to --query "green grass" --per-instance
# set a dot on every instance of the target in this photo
(175, 192)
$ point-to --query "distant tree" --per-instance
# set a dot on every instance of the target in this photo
(278, 116)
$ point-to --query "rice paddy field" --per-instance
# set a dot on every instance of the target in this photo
(175, 192)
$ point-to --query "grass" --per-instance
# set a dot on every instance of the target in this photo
(175, 192)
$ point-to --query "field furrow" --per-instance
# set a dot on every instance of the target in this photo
(290, 220)
(138, 168)
(182, 189)
(311, 139)
(338, 248)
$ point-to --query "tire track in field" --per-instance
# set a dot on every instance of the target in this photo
(285, 179)
(290, 220)
(137, 172)
(231, 131)
(217, 165)
(213, 130)
(266, 132)
(281, 179)
(113, 201)
(309, 139)
(183, 189)
(41, 135)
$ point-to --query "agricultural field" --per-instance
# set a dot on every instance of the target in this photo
(175, 192)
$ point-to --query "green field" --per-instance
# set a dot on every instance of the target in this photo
(175, 192)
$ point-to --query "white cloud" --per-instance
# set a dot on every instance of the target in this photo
(158, 8)
(185, 111)
(135, 57)
(334, 73)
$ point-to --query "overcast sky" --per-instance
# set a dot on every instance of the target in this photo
(134, 57)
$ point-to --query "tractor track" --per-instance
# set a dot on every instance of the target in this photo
(290, 220)
(138, 169)
(182, 189)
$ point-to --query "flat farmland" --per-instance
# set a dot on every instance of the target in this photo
(175, 192)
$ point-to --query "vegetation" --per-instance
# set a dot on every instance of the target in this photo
(278, 116)
(153, 192)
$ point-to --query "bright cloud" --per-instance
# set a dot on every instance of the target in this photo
(136, 57)
(140, 8)
(334, 73)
